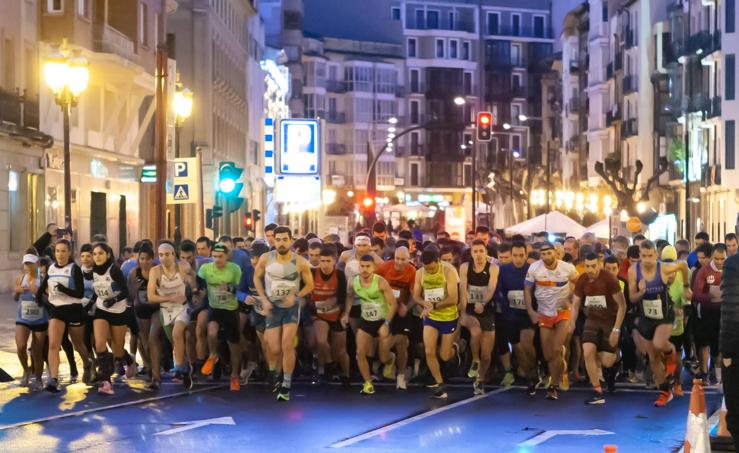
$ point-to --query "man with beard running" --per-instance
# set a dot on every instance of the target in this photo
(282, 280)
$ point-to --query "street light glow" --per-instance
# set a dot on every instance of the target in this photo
(392, 120)
(182, 103)
(522, 117)
(506, 126)
(459, 100)
(641, 207)
(391, 130)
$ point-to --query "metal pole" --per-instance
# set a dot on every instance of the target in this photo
(201, 203)
(160, 131)
(177, 207)
(65, 104)
(474, 185)
(686, 232)
(549, 176)
(510, 177)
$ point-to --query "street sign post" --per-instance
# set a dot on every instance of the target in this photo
(185, 181)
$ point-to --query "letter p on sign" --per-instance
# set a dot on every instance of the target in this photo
(180, 170)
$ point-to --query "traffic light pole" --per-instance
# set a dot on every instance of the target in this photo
(474, 185)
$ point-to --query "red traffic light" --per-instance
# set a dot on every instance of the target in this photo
(484, 126)
(484, 119)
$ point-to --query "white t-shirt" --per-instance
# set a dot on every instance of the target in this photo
(551, 287)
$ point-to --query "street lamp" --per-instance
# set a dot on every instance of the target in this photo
(66, 74)
(459, 100)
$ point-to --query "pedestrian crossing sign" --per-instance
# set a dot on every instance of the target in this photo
(181, 192)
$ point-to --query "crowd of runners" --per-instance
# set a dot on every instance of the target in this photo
(542, 312)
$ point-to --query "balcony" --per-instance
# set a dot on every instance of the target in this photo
(109, 40)
(526, 32)
(699, 102)
(629, 38)
(336, 117)
(715, 42)
(519, 92)
(631, 84)
(573, 106)
(416, 149)
(574, 66)
(612, 117)
(335, 149)
(710, 175)
(699, 43)
(715, 109)
(10, 110)
(335, 86)
(618, 62)
(573, 145)
(609, 71)
(629, 128)
(399, 91)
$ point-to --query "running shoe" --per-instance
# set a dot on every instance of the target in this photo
(439, 392)
(154, 384)
(552, 394)
(52, 386)
(235, 384)
(531, 388)
(130, 370)
(670, 363)
(106, 388)
(663, 398)
(368, 388)
(677, 390)
(597, 398)
(35, 385)
(401, 384)
(207, 368)
(508, 379)
(73, 378)
(388, 370)
(187, 378)
(478, 388)
(247, 372)
(88, 372)
(283, 394)
(26, 378)
(177, 379)
(474, 369)
(120, 368)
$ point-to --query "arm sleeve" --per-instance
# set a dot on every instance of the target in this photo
(42, 243)
(79, 284)
(119, 279)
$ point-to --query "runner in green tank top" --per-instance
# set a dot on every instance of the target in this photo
(378, 308)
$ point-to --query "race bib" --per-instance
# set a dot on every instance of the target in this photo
(516, 300)
(597, 302)
(327, 306)
(222, 296)
(371, 311)
(396, 294)
(102, 290)
(433, 295)
(30, 310)
(170, 313)
(282, 288)
(476, 294)
(653, 308)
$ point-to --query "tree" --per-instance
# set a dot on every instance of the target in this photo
(627, 194)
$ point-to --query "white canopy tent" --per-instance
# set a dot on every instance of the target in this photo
(600, 229)
(553, 222)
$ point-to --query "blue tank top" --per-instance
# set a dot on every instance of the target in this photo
(655, 304)
(29, 312)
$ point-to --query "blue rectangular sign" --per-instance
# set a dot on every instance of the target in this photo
(300, 147)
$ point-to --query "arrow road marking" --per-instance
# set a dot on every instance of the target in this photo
(546, 435)
(186, 426)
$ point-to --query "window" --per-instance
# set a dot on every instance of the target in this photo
(730, 71)
(432, 20)
(516, 144)
(396, 13)
(143, 21)
(54, 6)
(420, 19)
(605, 12)
(730, 16)
(439, 48)
(729, 144)
(411, 47)
(493, 23)
(415, 180)
(467, 83)
(466, 50)
(8, 59)
(516, 55)
(453, 48)
(82, 8)
(516, 24)
(415, 117)
(539, 26)
(516, 83)
(415, 147)
(332, 107)
(415, 81)
(452, 20)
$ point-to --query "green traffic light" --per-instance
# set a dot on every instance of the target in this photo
(226, 186)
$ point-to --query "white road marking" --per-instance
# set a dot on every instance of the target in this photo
(415, 418)
(196, 424)
(546, 435)
(105, 408)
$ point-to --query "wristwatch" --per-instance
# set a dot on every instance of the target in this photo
(616, 330)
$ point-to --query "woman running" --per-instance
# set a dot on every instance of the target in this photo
(64, 288)
(86, 264)
(31, 318)
(109, 295)
(138, 281)
(168, 286)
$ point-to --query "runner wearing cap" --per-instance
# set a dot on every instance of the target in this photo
(551, 281)
(349, 264)
(31, 320)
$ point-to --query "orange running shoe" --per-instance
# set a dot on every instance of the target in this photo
(663, 399)
(207, 368)
(235, 384)
(678, 390)
(670, 365)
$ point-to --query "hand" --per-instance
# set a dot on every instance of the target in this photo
(384, 331)
(425, 313)
(249, 300)
(428, 305)
(688, 294)
(266, 306)
(107, 303)
(479, 308)
(642, 286)
(289, 300)
(179, 299)
(534, 317)
(345, 320)
(727, 362)
(402, 310)
(613, 339)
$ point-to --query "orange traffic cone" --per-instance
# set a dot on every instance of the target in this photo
(610, 449)
(696, 434)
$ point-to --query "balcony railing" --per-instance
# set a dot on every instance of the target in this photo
(609, 70)
(573, 106)
(715, 42)
(699, 102)
(611, 117)
(629, 128)
(526, 32)
(519, 92)
(335, 149)
(336, 117)
(631, 84)
(10, 110)
(573, 145)
(416, 149)
(618, 62)
(335, 86)
(699, 43)
(110, 40)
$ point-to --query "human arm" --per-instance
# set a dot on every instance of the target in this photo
(679, 266)
(348, 303)
(463, 293)
(120, 281)
(392, 304)
(636, 289)
(259, 272)
(528, 297)
(700, 294)
(341, 289)
(79, 284)
(306, 276)
(42, 290)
